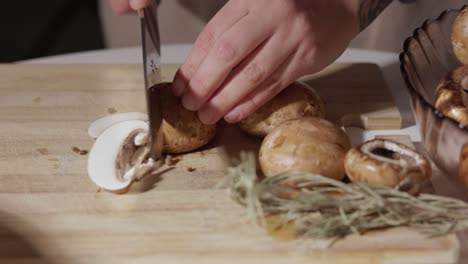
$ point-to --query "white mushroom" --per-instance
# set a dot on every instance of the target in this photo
(98, 126)
(388, 163)
(120, 156)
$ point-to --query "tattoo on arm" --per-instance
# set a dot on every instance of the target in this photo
(370, 9)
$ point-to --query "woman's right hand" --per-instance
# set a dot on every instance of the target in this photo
(122, 7)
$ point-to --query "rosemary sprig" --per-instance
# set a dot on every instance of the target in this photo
(322, 207)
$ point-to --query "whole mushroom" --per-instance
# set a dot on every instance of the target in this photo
(296, 101)
(183, 131)
(308, 144)
(460, 36)
(388, 163)
(451, 95)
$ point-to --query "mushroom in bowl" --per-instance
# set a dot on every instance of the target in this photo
(427, 59)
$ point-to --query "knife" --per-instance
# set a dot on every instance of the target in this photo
(151, 48)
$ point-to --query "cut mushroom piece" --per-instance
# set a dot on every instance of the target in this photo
(388, 163)
(119, 156)
(308, 145)
(451, 95)
(460, 36)
(296, 101)
(98, 126)
(183, 131)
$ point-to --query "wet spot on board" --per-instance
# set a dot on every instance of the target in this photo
(82, 152)
(53, 159)
(43, 151)
(37, 100)
(111, 110)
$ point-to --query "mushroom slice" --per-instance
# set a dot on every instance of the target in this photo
(385, 162)
(98, 126)
(120, 156)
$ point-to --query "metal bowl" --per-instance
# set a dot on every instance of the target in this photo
(426, 59)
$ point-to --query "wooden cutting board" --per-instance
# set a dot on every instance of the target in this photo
(50, 212)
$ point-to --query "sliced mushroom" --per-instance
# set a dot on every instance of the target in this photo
(388, 163)
(119, 156)
(296, 101)
(309, 145)
(451, 95)
(460, 36)
(98, 126)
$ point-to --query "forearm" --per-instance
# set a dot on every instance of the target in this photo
(369, 10)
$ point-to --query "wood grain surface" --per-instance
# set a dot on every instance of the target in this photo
(50, 212)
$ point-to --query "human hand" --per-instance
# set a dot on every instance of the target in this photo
(251, 50)
(128, 6)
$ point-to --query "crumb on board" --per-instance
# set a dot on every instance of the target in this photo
(111, 110)
(82, 152)
(191, 169)
(172, 160)
(43, 151)
(37, 100)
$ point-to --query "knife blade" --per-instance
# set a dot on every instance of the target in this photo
(151, 49)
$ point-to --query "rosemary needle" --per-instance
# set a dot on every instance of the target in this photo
(321, 207)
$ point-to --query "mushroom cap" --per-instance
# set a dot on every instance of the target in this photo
(296, 101)
(103, 157)
(385, 162)
(308, 144)
(459, 36)
(183, 131)
(451, 95)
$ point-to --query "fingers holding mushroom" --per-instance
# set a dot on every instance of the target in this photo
(308, 145)
(388, 163)
(296, 101)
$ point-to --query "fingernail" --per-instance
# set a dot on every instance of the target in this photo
(179, 87)
(233, 116)
(189, 103)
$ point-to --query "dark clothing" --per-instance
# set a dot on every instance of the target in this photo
(44, 28)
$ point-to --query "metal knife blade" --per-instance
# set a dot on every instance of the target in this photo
(151, 49)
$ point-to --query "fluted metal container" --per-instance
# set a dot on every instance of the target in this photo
(426, 59)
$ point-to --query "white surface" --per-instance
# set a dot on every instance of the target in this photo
(176, 54)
